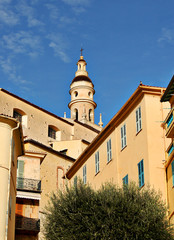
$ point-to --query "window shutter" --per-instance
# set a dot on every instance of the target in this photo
(20, 170)
(124, 127)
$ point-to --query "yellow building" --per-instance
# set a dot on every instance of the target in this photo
(11, 146)
(169, 163)
(131, 147)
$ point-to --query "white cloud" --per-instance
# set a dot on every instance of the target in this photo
(167, 35)
(79, 10)
(66, 20)
(58, 44)
(77, 2)
(10, 69)
(28, 12)
(22, 42)
(5, 1)
(78, 6)
(54, 13)
(7, 16)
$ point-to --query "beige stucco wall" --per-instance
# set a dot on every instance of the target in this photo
(36, 122)
(49, 173)
(52, 169)
(75, 147)
(8, 162)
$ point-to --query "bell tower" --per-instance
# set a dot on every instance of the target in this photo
(82, 90)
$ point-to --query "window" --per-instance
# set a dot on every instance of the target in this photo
(123, 136)
(170, 120)
(97, 165)
(109, 151)
(51, 132)
(76, 114)
(20, 174)
(18, 116)
(84, 174)
(141, 173)
(125, 180)
(90, 115)
(75, 93)
(172, 164)
(138, 119)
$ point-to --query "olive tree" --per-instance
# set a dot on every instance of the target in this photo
(126, 213)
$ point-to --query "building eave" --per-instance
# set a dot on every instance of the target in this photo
(169, 91)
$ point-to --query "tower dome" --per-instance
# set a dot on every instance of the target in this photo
(82, 90)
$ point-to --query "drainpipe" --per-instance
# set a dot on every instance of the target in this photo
(9, 176)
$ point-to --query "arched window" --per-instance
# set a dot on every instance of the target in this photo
(53, 132)
(90, 115)
(20, 116)
(75, 93)
(89, 94)
(76, 113)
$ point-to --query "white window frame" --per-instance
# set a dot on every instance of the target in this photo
(123, 136)
(97, 162)
(109, 150)
(138, 119)
(84, 174)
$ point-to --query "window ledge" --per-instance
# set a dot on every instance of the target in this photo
(123, 148)
(138, 131)
(97, 173)
(142, 186)
(109, 161)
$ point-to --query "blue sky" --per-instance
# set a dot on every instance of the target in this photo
(124, 42)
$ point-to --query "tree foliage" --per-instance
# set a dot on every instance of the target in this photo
(126, 213)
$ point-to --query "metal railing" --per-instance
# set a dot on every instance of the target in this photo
(28, 184)
(28, 224)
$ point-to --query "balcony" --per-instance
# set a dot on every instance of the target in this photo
(27, 224)
(27, 184)
(170, 153)
(169, 124)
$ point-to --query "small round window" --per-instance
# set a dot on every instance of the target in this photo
(75, 93)
(89, 94)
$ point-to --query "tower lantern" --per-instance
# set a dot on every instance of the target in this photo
(82, 91)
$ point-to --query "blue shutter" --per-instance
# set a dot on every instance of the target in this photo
(125, 180)
(141, 173)
(109, 151)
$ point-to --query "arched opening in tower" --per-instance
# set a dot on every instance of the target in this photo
(90, 115)
(76, 113)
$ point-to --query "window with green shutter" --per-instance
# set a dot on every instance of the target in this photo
(109, 151)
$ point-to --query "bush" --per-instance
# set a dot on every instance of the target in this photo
(126, 213)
